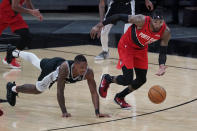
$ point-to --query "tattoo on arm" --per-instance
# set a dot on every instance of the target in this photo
(138, 20)
(63, 71)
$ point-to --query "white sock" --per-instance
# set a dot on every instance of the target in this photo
(14, 89)
(30, 57)
(15, 53)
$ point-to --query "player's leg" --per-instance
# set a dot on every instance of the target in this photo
(140, 67)
(104, 42)
(25, 38)
(140, 62)
(47, 77)
(126, 60)
(105, 36)
(125, 79)
(13, 90)
(20, 27)
(107, 79)
(28, 56)
(133, 85)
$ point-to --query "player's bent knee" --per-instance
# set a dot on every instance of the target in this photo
(41, 87)
(122, 80)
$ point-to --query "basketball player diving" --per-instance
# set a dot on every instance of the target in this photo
(133, 52)
(52, 70)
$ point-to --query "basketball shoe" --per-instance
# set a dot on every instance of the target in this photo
(13, 64)
(104, 85)
(11, 96)
(10, 59)
(123, 104)
(103, 55)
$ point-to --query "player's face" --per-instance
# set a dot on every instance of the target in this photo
(81, 67)
(157, 24)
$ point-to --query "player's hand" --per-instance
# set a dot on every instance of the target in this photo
(96, 31)
(102, 115)
(36, 13)
(149, 5)
(162, 70)
(66, 115)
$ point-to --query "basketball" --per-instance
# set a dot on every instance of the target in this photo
(157, 94)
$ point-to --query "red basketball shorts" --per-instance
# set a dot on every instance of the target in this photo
(14, 23)
(132, 57)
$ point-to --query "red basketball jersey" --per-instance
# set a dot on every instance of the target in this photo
(143, 37)
(133, 45)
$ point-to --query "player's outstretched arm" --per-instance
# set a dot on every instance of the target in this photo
(134, 19)
(163, 51)
(96, 30)
(95, 98)
(30, 9)
(63, 71)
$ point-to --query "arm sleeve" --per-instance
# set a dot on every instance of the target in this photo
(162, 55)
(115, 18)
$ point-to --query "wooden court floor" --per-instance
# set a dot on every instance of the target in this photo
(41, 112)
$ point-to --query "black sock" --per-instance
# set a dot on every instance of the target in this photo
(123, 93)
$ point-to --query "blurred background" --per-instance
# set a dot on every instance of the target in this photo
(68, 22)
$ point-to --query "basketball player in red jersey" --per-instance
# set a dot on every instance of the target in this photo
(10, 17)
(133, 52)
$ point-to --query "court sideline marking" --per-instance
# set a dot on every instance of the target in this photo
(115, 58)
(144, 114)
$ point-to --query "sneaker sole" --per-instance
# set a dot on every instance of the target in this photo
(128, 108)
(13, 67)
(99, 58)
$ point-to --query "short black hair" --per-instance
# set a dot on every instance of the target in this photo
(80, 58)
(157, 14)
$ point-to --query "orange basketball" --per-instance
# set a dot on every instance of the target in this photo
(157, 94)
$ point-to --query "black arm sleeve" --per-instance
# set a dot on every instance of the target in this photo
(114, 18)
(162, 55)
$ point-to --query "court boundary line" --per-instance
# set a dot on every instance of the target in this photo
(144, 114)
(117, 59)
